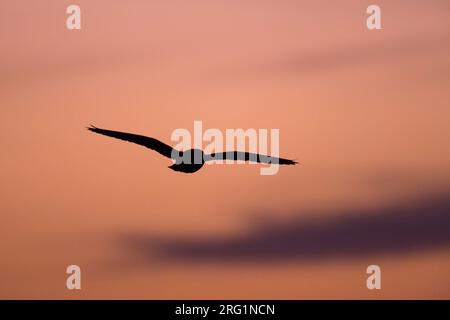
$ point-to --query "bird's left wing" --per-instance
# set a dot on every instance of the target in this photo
(148, 142)
(247, 156)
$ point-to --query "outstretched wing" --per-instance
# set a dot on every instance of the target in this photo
(148, 142)
(247, 156)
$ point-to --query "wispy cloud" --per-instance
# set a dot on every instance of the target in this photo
(398, 228)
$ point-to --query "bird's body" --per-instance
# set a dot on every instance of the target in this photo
(192, 160)
(188, 161)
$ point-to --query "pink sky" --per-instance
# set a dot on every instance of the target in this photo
(365, 112)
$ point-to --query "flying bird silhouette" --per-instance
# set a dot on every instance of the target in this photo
(183, 159)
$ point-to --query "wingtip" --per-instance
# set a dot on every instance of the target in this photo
(91, 127)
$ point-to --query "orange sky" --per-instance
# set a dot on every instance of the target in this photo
(365, 112)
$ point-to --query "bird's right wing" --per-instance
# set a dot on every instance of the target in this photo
(148, 142)
(247, 156)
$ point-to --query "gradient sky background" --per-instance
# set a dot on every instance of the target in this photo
(365, 112)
